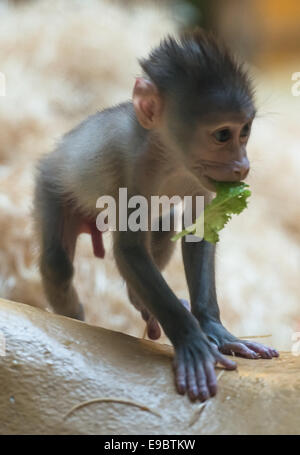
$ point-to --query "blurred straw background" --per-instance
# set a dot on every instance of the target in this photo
(63, 60)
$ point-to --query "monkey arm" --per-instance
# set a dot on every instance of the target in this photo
(199, 265)
(141, 273)
(194, 355)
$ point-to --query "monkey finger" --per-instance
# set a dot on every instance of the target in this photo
(192, 386)
(180, 373)
(211, 378)
(213, 344)
(227, 363)
(275, 353)
(202, 382)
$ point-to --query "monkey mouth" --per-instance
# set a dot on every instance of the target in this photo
(208, 183)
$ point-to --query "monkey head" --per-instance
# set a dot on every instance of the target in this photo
(199, 102)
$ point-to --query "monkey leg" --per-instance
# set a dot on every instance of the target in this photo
(57, 273)
(199, 263)
(194, 355)
(153, 329)
(58, 233)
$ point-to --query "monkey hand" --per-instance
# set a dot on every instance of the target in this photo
(230, 345)
(195, 358)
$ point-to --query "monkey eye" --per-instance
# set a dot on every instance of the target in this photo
(246, 130)
(222, 135)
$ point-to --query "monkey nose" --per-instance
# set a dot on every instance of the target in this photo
(241, 171)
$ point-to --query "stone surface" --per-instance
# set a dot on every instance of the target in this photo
(53, 363)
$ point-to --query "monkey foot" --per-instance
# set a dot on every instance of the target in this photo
(78, 313)
(153, 329)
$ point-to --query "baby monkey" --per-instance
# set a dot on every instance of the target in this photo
(187, 126)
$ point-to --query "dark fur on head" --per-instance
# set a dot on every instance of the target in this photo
(201, 72)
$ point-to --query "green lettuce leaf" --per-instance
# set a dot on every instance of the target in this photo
(231, 198)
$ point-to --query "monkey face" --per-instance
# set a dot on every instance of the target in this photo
(218, 148)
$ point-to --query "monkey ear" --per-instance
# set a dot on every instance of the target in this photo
(147, 103)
